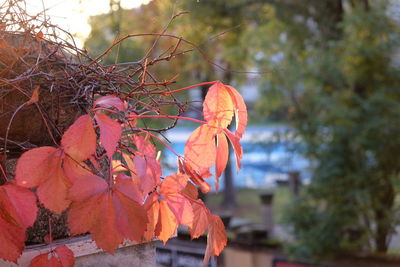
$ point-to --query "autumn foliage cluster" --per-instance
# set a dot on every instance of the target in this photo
(129, 199)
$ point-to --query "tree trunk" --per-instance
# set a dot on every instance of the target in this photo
(229, 200)
(383, 216)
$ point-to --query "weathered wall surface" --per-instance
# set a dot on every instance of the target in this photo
(143, 255)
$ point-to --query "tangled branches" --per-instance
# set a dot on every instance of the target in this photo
(46, 81)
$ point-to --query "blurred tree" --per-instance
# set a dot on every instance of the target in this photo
(338, 86)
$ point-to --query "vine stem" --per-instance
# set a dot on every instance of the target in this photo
(169, 117)
(184, 88)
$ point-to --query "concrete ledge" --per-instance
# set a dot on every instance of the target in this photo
(87, 254)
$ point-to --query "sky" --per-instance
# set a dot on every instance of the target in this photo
(73, 15)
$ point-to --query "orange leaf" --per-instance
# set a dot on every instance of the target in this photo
(200, 220)
(181, 208)
(79, 141)
(240, 111)
(167, 223)
(216, 238)
(110, 133)
(61, 256)
(218, 107)
(174, 183)
(222, 157)
(200, 150)
(236, 147)
(35, 96)
(196, 178)
(178, 204)
(39, 36)
(18, 211)
(108, 214)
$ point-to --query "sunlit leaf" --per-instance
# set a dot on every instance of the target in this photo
(216, 238)
(222, 157)
(110, 132)
(79, 141)
(218, 107)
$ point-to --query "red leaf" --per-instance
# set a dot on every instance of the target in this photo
(181, 208)
(222, 157)
(24, 202)
(108, 214)
(190, 191)
(41, 260)
(74, 170)
(236, 147)
(65, 255)
(200, 219)
(131, 217)
(110, 101)
(79, 141)
(110, 133)
(53, 191)
(145, 166)
(216, 238)
(152, 207)
(240, 111)
(148, 171)
(42, 168)
(87, 187)
(17, 212)
(167, 223)
(33, 165)
(144, 146)
(62, 256)
(218, 107)
(129, 188)
(200, 150)
(104, 230)
(196, 178)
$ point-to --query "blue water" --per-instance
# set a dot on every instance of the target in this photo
(266, 158)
